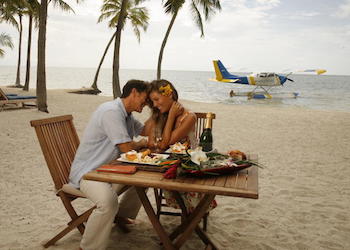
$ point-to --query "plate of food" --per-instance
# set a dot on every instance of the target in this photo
(178, 148)
(144, 157)
(219, 170)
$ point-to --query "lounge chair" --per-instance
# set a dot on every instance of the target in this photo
(6, 99)
(158, 193)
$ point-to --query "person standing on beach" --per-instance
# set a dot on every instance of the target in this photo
(109, 133)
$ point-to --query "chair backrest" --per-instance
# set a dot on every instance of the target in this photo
(59, 142)
(201, 117)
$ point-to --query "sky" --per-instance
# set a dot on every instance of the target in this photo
(246, 35)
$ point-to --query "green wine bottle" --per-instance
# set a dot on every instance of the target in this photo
(206, 139)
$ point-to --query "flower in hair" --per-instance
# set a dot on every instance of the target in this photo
(166, 90)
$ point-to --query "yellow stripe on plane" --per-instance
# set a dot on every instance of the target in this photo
(217, 71)
(321, 71)
(251, 80)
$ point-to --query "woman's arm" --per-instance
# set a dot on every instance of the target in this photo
(149, 130)
(175, 135)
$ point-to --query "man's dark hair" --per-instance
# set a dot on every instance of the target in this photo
(140, 86)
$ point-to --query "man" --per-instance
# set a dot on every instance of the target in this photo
(109, 132)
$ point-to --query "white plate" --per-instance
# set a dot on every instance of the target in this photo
(161, 157)
(175, 149)
(170, 151)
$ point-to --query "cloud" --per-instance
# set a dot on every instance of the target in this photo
(344, 10)
(303, 15)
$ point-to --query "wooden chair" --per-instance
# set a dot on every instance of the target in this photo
(158, 193)
(59, 142)
(16, 99)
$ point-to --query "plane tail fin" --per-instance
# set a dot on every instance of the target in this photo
(217, 70)
(220, 71)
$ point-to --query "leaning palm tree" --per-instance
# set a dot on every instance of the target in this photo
(41, 66)
(119, 11)
(5, 41)
(111, 9)
(32, 12)
(209, 7)
(94, 84)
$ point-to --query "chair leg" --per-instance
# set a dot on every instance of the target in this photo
(205, 222)
(71, 225)
(67, 202)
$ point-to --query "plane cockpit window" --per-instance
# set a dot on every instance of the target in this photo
(266, 75)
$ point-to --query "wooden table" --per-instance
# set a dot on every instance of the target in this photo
(241, 184)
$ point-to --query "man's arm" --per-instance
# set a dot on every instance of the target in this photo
(133, 145)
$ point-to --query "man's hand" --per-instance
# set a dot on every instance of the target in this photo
(142, 143)
(133, 145)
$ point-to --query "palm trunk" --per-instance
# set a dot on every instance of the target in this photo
(30, 26)
(18, 75)
(94, 85)
(159, 67)
(41, 73)
(118, 33)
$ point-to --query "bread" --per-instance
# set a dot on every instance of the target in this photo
(237, 155)
(145, 153)
(131, 155)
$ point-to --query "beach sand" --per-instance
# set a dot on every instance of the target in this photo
(304, 189)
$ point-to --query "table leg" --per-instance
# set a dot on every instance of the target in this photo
(154, 220)
(210, 244)
(191, 222)
(204, 237)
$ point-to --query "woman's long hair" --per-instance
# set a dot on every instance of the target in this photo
(161, 86)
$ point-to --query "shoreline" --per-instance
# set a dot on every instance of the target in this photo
(19, 91)
(304, 188)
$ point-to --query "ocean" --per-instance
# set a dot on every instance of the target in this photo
(320, 92)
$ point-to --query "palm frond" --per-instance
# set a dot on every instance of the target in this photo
(197, 17)
(6, 41)
(110, 7)
(107, 15)
(139, 19)
(209, 7)
(173, 6)
(138, 16)
(62, 5)
(136, 31)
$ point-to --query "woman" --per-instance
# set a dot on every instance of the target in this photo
(169, 123)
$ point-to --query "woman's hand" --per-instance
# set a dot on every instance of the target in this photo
(176, 109)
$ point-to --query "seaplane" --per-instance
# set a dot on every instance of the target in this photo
(263, 81)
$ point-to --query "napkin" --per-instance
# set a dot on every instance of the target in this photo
(120, 169)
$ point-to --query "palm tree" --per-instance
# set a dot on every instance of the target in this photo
(118, 33)
(32, 12)
(137, 15)
(6, 41)
(9, 9)
(41, 67)
(172, 7)
(94, 84)
(119, 11)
